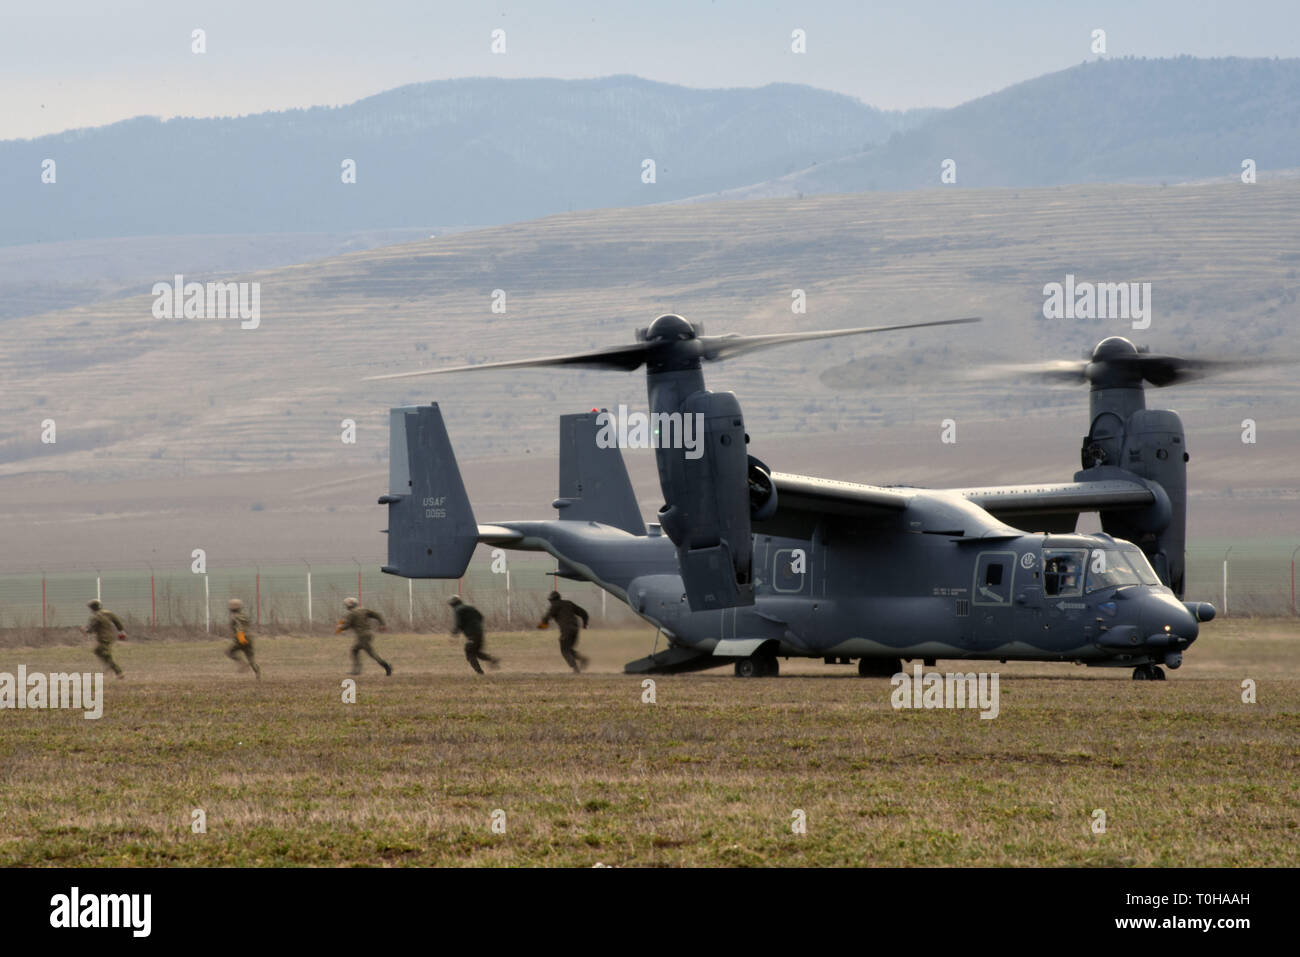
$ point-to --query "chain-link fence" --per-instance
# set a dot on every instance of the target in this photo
(305, 598)
(1260, 579)
(283, 598)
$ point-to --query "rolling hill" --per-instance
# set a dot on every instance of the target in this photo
(491, 151)
(178, 433)
(453, 152)
(1126, 120)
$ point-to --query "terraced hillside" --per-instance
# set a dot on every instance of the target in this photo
(140, 398)
(134, 395)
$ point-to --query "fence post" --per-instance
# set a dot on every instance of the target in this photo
(207, 605)
(309, 621)
(98, 594)
(410, 603)
(507, 596)
(1225, 582)
(153, 599)
(257, 590)
(44, 605)
(1296, 549)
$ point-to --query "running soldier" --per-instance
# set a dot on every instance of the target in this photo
(358, 620)
(469, 622)
(243, 643)
(106, 627)
(566, 614)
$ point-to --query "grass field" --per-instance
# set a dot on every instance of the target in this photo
(710, 774)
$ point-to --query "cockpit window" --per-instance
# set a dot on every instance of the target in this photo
(1107, 568)
(1146, 574)
(1063, 572)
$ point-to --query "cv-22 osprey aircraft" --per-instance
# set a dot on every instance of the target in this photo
(747, 565)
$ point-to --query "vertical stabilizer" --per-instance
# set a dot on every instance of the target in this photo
(594, 485)
(431, 528)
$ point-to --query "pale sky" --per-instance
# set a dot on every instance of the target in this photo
(80, 63)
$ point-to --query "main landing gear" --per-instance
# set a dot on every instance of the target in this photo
(758, 666)
(1148, 673)
(879, 667)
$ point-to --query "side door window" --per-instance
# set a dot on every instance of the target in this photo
(993, 574)
(790, 569)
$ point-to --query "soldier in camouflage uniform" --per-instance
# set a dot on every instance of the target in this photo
(240, 631)
(566, 614)
(469, 622)
(358, 620)
(106, 627)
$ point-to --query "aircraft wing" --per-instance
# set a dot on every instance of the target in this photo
(805, 493)
(803, 501)
(1055, 506)
(1047, 507)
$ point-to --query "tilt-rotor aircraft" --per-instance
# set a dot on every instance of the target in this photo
(747, 565)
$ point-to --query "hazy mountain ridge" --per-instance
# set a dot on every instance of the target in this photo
(1124, 120)
(456, 152)
(490, 151)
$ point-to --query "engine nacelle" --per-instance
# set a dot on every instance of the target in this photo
(1127, 438)
(707, 501)
(762, 491)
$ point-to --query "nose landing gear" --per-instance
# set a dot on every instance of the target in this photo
(1148, 673)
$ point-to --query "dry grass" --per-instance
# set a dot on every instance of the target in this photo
(709, 775)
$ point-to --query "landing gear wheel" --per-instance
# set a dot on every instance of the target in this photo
(1148, 673)
(879, 667)
(758, 666)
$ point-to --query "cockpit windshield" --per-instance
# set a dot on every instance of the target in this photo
(1140, 565)
(1114, 567)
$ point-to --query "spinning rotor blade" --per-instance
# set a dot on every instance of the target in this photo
(1162, 370)
(1056, 371)
(625, 358)
(727, 347)
(711, 348)
(1157, 369)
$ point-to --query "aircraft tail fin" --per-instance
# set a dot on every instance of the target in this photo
(431, 528)
(594, 485)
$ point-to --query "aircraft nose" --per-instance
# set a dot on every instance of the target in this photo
(1165, 615)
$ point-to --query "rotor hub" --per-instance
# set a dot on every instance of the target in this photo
(669, 328)
(1113, 347)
